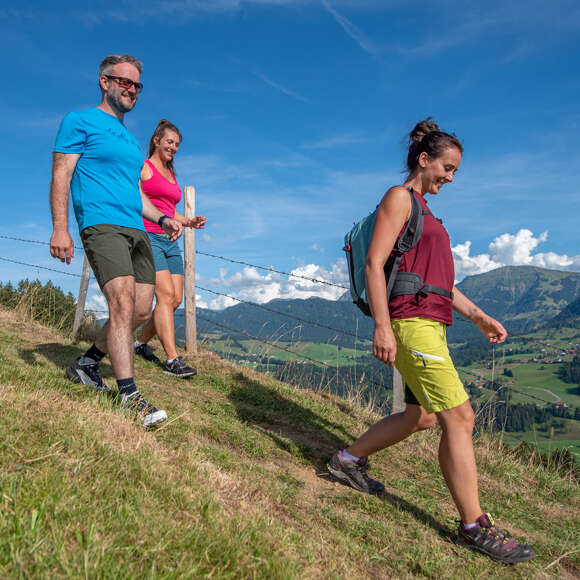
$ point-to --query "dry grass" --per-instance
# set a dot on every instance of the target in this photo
(235, 486)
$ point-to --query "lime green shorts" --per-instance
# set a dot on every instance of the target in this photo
(425, 364)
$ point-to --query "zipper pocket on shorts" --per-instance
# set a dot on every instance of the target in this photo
(424, 355)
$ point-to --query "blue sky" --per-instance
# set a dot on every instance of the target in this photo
(294, 114)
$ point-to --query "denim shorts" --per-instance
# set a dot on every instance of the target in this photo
(166, 254)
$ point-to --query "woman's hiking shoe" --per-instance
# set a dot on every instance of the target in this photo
(86, 371)
(146, 353)
(354, 473)
(486, 538)
(131, 399)
(179, 368)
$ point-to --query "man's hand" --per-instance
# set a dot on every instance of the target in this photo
(62, 246)
(197, 222)
(172, 228)
(384, 345)
(491, 328)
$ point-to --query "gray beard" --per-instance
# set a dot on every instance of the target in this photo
(117, 104)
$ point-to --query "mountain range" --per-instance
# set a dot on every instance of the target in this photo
(523, 298)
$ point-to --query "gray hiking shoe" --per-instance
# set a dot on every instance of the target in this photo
(179, 368)
(486, 538)
(131, 399)
(86, 371)
(354, 473)
(146, 353)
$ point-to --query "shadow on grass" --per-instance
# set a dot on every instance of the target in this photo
(293, 427)
(61, 355)
(302, 432)
(420, 515)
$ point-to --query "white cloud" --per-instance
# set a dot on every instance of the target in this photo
(251, 285)
(516, 250)
(353, 31)
(510, 250)
(97, 302)
(317, 248)
(279, 87)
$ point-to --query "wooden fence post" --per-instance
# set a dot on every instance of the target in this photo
(189, 251)
(81, 299)
(398, 392)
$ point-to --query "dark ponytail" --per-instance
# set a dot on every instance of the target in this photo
(162, 126)
(426, 137)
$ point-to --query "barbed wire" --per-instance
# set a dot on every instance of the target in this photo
(278, 346)
(224, 258)
(506, 385)
(41, 267)
(42, 243)
(297, 318)
(270, 269)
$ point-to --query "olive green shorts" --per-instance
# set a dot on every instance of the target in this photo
(114, 251)
(425, 364)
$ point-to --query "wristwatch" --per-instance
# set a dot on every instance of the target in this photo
(160, 220)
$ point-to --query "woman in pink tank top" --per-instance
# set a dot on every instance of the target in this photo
(410, 333)
(159, 184)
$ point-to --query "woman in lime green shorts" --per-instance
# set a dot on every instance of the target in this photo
(410, 333)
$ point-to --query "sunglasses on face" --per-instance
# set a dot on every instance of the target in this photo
(126, 83)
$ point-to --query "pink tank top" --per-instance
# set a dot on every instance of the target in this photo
(431, 258)
(163, 194)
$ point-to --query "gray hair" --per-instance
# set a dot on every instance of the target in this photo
(110, 61)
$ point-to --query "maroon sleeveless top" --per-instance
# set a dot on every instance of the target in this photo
(431, 258)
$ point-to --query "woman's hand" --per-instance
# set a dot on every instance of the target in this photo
(197, 222)
(491, 328)
(384, 345)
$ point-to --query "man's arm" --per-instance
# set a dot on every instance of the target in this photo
(151, 213)
(488, 326)
(61, 244)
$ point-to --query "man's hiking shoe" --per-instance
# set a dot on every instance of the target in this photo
(179, 368)
(354, 473)
(146, 352)
(486, 538)
(86, 371)
(133, 401)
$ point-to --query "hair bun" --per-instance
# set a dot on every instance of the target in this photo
(421, 129)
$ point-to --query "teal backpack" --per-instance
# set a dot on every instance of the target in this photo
(356, 245)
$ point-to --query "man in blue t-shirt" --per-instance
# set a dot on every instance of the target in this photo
(99, 161)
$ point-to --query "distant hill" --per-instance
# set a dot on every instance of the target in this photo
(522, 297)
(569, 317)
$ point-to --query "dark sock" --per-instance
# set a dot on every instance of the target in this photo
(95, 354)
(125, 385)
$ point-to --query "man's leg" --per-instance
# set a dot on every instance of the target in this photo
(116, 336)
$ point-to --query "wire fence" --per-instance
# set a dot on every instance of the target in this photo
(299, 355)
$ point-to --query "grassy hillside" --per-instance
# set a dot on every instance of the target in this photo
(233, 486)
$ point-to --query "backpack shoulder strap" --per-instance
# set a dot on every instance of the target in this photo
(407, 240)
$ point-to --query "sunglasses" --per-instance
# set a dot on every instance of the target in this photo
(126, 83)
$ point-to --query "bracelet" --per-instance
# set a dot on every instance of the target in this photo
(160, 220)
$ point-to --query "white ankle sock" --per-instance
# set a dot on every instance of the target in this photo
(137, 343)
(469, 526)
(170, 360)
(347, 456)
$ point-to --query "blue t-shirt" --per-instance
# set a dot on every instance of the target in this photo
(105, 183)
